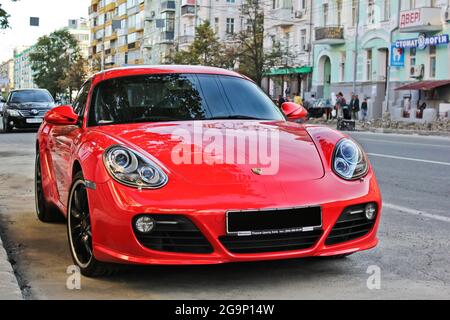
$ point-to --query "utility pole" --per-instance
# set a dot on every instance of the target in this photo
(391, 39)
(355, 58)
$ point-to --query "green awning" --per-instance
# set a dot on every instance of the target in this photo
(286, 71)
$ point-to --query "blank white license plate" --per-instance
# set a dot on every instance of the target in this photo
(34, 120)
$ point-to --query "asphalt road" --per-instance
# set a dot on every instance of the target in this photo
(413, 254)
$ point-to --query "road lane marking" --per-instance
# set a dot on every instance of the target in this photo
(408, 159)
(416, 212)
(402, 142)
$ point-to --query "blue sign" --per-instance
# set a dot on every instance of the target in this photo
(423, 41)
(397, 56)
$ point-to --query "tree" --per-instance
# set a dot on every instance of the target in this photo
(52, 59)
(204, 50)
(254, 60)
(4, 17)
(75, 77)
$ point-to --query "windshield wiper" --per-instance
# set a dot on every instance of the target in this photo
(235, 117)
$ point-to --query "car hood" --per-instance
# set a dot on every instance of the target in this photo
(202, 152)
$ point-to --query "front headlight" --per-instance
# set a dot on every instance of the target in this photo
(349, 161)
(133, 169)
(13, 113)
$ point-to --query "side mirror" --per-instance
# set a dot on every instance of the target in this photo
(294, 111)
(62, 116)
(2, 100)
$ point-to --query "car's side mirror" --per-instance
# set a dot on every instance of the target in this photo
(62, 115)
(294, 111)
(3, 100)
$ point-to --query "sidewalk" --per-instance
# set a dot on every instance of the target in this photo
(9, 288)
(378, 126)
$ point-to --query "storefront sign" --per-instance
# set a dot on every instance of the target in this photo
(410, 18)
(423, 41)
(397, 56)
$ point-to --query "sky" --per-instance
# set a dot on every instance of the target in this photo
(53, 14)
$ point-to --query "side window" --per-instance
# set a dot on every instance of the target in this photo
(80, 102)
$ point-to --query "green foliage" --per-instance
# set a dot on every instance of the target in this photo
(52, 59)
(4, 17)
(253, 59)
(205, 50)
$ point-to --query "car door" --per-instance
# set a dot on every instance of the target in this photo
(62, 141)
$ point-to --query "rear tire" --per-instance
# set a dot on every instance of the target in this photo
(79, 232)
(44, 211)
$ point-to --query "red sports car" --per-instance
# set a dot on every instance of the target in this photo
(196, 165)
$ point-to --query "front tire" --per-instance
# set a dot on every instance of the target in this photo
(79, 232)
(6, 127)
(44, 211)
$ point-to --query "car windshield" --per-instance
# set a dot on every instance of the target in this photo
(30, 96)
(179, 97)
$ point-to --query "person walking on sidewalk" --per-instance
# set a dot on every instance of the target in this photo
(364, 110)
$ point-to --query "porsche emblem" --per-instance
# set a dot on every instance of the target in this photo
(257, 171)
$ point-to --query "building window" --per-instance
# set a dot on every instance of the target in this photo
(216, 25)
(303, 40)
(339, 12)
(371, 12)
(230, 26)
(231, 1)
(412, 56)
(369, 65)
(387, 10)
(325, 14)
(354, 12)
(342, 68)
(432, 61)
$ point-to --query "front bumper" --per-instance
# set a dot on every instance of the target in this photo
(21, 122)
(114, 206)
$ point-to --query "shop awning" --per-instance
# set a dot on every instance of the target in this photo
(286, 71)
(424, 85)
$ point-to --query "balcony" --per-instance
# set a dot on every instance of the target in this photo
(186, 39)
(188, 10)
(282, 17)
(421, 20)
(168, 6)
(167, 37)
(330, 35)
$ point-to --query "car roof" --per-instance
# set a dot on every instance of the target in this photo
(160, 69)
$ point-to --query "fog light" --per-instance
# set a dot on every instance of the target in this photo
(371, 211)
(145, 224)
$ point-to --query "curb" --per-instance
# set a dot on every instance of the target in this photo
(9, 287)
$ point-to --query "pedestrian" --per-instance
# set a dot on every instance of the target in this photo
(364, 110)
(328, 109)
(355, 107)
(340, 104)
(281, 100)
(298, 99)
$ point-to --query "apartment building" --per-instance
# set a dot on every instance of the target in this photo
(7, 77)
(117, 29)
(288, 23)
(127, 32)
(23, 75)
(80, 30)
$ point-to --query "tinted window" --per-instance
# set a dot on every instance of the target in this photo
(30, 96)
(179, 97)
(80, 102)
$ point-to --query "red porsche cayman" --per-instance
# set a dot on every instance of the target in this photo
(196, 165)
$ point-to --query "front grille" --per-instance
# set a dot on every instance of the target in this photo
(351, 225)
(174, 233)
(271, 243)
(27, 113)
